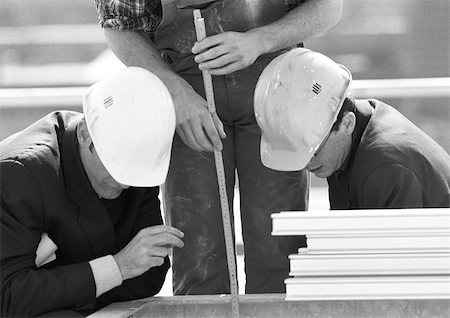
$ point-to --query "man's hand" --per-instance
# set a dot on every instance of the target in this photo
(198, 129)
(147, 249)
(195, 126)
(227, 52)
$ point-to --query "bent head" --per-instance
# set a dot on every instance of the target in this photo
(101, 181)
(334, 149)
(126, 136)
(297, 100)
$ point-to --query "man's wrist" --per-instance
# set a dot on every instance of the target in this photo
(106, 274)
(262, 45)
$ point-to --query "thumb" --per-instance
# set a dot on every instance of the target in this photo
(219, 125)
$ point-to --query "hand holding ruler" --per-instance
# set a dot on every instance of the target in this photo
(227, 228)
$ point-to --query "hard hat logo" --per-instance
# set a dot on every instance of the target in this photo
(316, 88)
(131, 120)
(108, 101)
(297, 100)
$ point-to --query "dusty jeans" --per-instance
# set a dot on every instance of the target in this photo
(191, 199)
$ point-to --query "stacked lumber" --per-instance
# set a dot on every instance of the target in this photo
(368, 254)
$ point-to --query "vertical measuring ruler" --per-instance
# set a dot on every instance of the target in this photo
(227, 228)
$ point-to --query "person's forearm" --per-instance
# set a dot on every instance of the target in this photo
(134, 49)
(30, 292)
(309, 19)
(195, 125)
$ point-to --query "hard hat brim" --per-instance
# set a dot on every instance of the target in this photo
(138, 176)
(284, 160)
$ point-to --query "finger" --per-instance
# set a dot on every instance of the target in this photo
(190, 142)
(155, 261)
(200, 136)
(157, 229)
(219, 125)
(209, 127)
(169, 249)
(207, 43)
(218, 62)
(180, 133)
(160, 251)
(191, 139)
(167, 239)
(211, 54)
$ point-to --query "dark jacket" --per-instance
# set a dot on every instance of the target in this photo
(44, 188)
(392, 164)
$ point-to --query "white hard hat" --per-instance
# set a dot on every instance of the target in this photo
(297, 99)
(131, 120)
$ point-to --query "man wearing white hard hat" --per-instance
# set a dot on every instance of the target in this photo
(81, 225)
(371, 154)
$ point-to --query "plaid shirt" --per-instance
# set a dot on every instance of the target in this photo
(140, 14)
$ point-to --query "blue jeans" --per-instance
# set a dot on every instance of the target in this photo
(191, 197)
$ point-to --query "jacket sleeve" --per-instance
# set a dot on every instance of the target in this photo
(391, 186)
(25, 289)
(149, 283)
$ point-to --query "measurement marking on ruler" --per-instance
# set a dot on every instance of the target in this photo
(227, 228)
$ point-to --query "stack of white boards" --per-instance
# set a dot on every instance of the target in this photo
(368, 254)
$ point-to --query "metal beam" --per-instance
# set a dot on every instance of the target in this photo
(386, 88)
(273, 305)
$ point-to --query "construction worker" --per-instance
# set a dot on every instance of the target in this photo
(371, 155)
(243, 36)
(81, 225)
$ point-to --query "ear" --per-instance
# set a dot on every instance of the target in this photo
(84, 139)
(348, 122)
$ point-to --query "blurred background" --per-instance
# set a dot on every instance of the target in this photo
(397, 50)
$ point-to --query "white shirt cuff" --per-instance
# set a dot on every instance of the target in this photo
(106, 274)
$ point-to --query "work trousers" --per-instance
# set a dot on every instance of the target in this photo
(191, 197)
